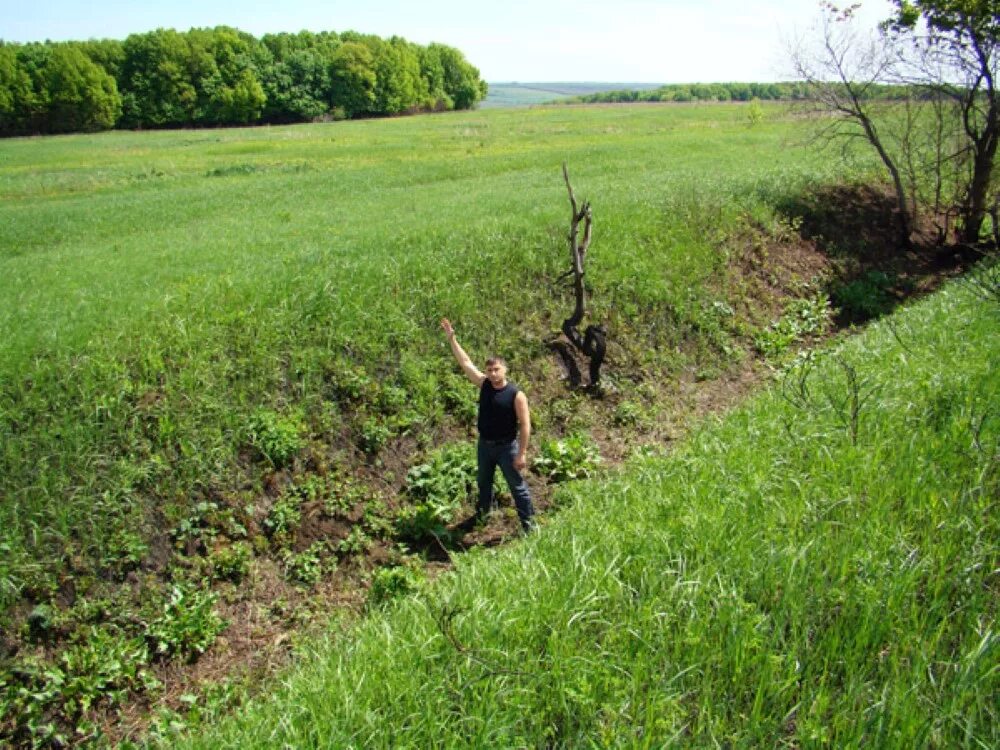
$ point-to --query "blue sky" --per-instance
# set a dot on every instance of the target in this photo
(662, 41)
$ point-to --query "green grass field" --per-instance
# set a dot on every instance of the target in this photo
(110, 229)
(203, 330)
(205, 274)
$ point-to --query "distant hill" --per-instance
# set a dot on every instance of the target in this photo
(518, 94)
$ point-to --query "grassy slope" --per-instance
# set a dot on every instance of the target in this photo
(774, 583)
(161, 287)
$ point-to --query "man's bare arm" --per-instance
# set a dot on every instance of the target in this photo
(464, 361)
(523, 430)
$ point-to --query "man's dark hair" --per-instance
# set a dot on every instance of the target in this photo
(495, 360)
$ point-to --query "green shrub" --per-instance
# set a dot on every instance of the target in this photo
(374, 434)
(391, 583)
(42, 621)
(426, 519)
(347, 382)
(278, 438)
(104, 665)
(231, 563)
(460, 400)
(356, 542)
(307, 566)
(573, 457)
(284, 518)
(213, 702)
(437, 489)
(342, 494)
(377, 521)
(10, 588)
(312, 487)
(984, 280)
(187, 624)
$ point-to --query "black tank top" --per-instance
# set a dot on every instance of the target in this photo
(497, 418)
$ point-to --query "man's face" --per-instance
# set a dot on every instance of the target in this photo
(497, 373)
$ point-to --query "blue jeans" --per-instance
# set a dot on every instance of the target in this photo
(493, 453)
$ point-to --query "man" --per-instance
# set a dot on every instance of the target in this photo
(504, 424)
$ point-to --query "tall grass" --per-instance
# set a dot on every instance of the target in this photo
(798, 574)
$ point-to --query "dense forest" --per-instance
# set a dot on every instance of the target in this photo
(223, 76)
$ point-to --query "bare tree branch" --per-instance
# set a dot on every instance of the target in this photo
(592, 343)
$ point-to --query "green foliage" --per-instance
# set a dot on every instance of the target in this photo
(374, 433)
(231, 562)
(342, 494)
(212, 703)
(204, 522)
(627, 414)
(377, 520)
(715, 92)
(573, 457)
(45, 703)
(9, 584)
(984, 280)
(397, 75)
(460, 80)
(125, 550)
(356, 542)
(277, 437)
(222, 76)
(864, 298)
(16, 94)
(284, 518)
(449, 473)
(803, 318)
(54, 88)
(393, 582)
(156, 88)
(187, 623)
(308, 566)
(460, 399)
(81, 96)
(436, 490)
(104, 665)
(310, 488)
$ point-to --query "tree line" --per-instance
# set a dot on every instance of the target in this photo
(223, 76)
(720, 92)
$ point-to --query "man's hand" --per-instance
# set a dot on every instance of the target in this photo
(520, 462)
(470, 370)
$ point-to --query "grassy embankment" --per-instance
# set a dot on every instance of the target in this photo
(161, 288)
(798, 574)
(205, 333)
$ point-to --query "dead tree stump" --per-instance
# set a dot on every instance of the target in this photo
(591, 345)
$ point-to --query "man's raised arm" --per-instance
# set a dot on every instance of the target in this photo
(463, 359)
